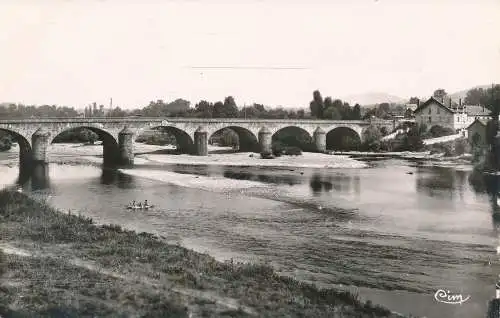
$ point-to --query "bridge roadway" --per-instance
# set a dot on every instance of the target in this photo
(192, 134)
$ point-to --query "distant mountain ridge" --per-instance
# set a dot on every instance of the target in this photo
(368, 99)
(374, 98)
(461, 94)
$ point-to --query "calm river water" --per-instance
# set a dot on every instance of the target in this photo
(398, 230)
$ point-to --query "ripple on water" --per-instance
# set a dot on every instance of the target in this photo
(379, 227)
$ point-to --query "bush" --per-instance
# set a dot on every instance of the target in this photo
(371, 138)
(461, 146)
(450, 148)
(384, 131)
(293, 151)
(279, 149)
(443, 147)
(157, 139)
(440, 131)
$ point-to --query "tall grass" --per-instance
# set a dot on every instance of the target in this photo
(146, 256)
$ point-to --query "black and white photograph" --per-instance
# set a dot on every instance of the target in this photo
(250, 158)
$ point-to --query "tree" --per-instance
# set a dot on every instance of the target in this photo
(5, 141)
(116, 112)
(332, 113)
(413, 100)
(218, 110)
(440, 94)
(371, 137)
(88, 136)
(489, 98)
(412, 140)
(356, 112)
(385, 108)
(474, 96)
(230, 108)
(229, 138)
(317, 105)
(327, 103)
(204, 109)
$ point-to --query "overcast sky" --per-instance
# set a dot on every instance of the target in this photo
(274, 52)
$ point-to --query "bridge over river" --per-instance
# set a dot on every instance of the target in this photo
(192, 134)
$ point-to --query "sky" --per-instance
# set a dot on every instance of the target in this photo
(274, 52)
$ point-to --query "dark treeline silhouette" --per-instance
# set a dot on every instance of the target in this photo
(329, 108)
(11, 111)
(320, 109)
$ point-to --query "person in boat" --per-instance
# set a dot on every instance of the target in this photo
(146, 203)
(133, 203)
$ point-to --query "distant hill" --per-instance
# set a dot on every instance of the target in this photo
(369, 99)
(461, 94)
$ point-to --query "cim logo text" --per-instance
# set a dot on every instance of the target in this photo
(444, 296)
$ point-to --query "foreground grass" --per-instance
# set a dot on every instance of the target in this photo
(77, 269)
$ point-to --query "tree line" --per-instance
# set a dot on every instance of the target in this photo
(319, 109)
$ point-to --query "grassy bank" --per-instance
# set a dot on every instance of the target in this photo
(60, 264)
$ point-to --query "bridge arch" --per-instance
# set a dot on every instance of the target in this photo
(343, 138)
(294, 136)
(109, 141)
(246, 140)
(184, 141)
(24, 144)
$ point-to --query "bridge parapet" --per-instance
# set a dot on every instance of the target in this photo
(184, 129)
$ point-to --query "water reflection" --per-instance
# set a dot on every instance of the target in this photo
(34, 177)
(266, 178)
(490, 184)
(440, 181)
(40, 179)
(37, 177)
(340, 183)
(112, 176)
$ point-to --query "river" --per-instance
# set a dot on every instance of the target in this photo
(399, 230)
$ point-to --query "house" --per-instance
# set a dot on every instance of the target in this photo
(434, 112)
(476, 133)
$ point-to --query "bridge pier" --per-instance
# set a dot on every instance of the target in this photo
(265, 142)
(40, 142)
(320, 139)
(126, 147)
(201, 142)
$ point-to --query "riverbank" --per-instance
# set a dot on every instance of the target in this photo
(222, 156)
(306, 160)
(59, 263)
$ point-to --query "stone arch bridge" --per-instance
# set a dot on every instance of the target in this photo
(192, 134)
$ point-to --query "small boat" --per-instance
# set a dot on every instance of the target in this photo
(139, 207)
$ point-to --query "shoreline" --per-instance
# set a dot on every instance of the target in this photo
(153, 154)
(136, 269)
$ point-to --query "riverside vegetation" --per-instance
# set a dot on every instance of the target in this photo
(68, 266)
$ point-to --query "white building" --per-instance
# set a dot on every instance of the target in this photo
(433, 112)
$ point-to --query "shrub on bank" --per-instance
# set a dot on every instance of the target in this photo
(440, 131)
(450, 148)
(280, 149)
